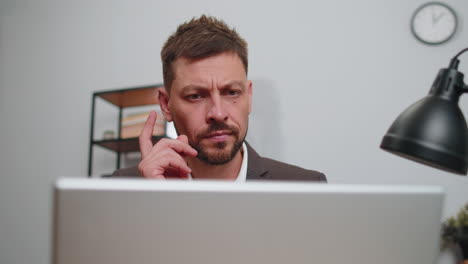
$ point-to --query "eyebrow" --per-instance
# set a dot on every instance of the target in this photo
(234, 83)
(199, 87)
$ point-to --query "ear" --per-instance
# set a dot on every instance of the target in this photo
(250, 94)
(163, 96)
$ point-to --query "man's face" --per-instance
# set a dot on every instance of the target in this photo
(210, 102)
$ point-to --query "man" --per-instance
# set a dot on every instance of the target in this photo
(209, 99)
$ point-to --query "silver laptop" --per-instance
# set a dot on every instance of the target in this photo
(149, 221)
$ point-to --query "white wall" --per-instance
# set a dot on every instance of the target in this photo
(329, 78)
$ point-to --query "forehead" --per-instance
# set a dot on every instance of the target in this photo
(219, 69)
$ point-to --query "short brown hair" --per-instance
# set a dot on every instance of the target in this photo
(200, 38)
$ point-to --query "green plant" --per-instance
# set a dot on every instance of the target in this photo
(455, 229)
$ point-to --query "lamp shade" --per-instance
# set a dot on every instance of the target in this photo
(432, 131)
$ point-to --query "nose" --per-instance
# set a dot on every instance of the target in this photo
(217, 111)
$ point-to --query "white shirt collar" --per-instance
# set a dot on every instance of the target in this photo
(242, 176)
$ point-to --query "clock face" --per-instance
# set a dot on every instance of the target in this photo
(434, 23)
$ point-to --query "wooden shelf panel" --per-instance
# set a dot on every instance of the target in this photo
(146, 95)
(124, 145)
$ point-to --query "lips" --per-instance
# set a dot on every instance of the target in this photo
(218, 136)
(218, 133)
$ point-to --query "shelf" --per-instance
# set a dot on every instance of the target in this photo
(122, 98)
(123, 145)
(145, 95)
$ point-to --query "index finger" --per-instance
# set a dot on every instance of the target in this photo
(146, 144)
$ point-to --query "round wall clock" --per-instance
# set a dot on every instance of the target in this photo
(434, 23)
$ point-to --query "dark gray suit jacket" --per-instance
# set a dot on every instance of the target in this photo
(258, 168)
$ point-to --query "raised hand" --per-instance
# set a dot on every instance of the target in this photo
(166, 158)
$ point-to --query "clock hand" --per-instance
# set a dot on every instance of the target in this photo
(436, 19)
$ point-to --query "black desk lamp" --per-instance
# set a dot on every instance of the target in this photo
(433, 130)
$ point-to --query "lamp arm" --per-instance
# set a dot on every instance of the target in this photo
(461, 52)
(454, 61)
(454, 65)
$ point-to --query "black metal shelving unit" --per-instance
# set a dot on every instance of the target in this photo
(121, 98)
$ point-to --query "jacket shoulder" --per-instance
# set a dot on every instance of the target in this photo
(282, 171)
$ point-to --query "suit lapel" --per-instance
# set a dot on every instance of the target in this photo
(255, 168)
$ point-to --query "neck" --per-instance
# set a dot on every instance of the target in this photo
(228, 171)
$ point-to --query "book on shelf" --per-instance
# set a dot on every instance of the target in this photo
(132, 125)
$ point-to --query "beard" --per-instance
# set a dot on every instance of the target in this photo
(223, 153)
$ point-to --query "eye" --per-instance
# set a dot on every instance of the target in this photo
(193, 97)
(233, 92)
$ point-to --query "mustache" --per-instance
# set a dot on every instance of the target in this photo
(218, 126)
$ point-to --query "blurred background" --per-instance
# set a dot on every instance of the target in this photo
(329, 78)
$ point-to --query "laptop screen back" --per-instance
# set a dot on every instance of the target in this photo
(142, 221)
